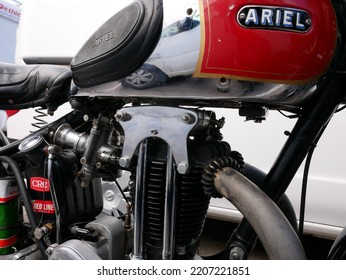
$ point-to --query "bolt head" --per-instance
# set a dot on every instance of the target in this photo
(83, 160)
(109, 195)
(242, 16)
(124, 162)
(188, 118)
(237, 254)
(182, 168)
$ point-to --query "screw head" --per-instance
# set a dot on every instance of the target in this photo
(109, 195)
(83, 160)
(242, 16)
(124, 162)
(182, 168)
(188, 118)
(122, 116)
(237, 254)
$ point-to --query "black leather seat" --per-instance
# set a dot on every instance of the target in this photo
(120, 46)
(25, 86)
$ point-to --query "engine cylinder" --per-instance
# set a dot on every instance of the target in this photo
(191, 201)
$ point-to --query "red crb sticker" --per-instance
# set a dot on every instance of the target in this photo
(43, 206)
(39, 184)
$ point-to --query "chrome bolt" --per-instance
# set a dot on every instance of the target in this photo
(109, 195)
(124, 162)
(182, 168)
(242, 16)
(237, 254)
(119, 116)
(122, 116)
(188, 118)
(51, 248)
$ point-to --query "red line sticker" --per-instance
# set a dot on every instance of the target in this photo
(43, 206)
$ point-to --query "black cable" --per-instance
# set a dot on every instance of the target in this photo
(304, 191)
(305, 183)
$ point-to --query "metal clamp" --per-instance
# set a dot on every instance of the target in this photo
(173, 125)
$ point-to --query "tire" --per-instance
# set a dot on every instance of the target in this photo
(147, 76)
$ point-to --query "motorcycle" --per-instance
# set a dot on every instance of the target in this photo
(130, 171)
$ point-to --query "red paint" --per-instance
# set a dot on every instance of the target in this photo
(10, 113)
(6, 242)
(232, 51)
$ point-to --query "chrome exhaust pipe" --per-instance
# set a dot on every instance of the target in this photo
(278, 238)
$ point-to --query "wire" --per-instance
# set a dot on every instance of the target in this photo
(304, 191)
(305, 182)
(54, 198)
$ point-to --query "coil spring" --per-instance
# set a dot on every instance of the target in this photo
(234, 160)
(40, 122)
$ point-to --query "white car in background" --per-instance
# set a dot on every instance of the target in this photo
(175, 55)
(73, 22)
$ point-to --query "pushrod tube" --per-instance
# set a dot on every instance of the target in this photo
(170, 209)
(138, 226)
(273, 229)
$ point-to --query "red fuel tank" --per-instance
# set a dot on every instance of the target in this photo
(280, 41)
